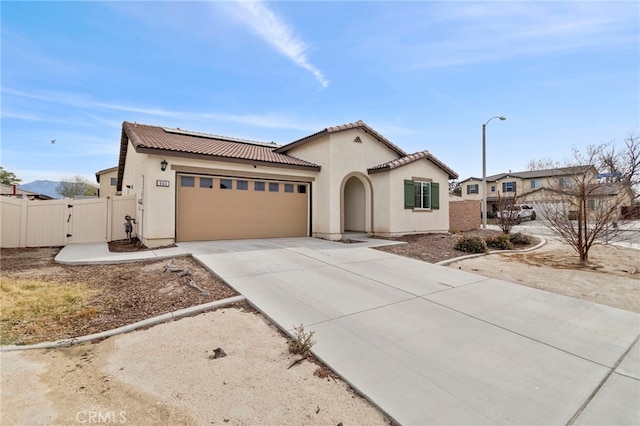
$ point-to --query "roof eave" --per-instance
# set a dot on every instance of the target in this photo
(156, 151)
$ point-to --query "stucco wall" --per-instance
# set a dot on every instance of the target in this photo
(464, 215)
(341, 156)
(106, 189)
(157, 204)
(410, 221)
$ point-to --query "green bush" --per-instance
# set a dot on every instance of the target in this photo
(472, 244)
(519, 239)
(501, 242)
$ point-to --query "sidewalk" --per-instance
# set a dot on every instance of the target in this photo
(99, 254)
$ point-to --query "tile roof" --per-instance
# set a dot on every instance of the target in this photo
(407, 159)
(357, 125)
(532, 174)
(153, 138)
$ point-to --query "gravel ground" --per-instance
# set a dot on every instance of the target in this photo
(126, 293)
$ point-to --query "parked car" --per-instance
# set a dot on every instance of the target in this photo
(517, 213)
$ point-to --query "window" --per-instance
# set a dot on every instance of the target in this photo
(274, 187)
(288, 187)
(536, 183)
(472, 189)
(113, 181)
(422, 191)
(421, 195)
(206, 182)
(187, 181)
(493, 188)
(225, 183)
(564, 182)
(508, 187)
(302, 189)
(258, 186)
(242, 185)
(593, 204)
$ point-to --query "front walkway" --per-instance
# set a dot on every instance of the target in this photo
(434, 345)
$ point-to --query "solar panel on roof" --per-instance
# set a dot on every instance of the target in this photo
(218, 137)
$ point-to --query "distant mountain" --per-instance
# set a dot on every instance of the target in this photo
(46, 187)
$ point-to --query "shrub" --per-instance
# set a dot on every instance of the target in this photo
(472, 244)
(519, 239)
(501, 242)
(302, 341)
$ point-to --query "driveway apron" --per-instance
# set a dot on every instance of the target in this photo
(433, 345)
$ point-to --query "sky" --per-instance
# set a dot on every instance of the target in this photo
(426, 75)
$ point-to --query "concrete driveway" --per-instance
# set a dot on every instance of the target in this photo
(433, 345)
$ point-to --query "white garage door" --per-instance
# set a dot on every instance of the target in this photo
(223, 208)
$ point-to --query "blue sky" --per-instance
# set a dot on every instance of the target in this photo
(426, 75)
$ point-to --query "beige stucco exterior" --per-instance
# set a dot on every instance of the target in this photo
(156, 214)
(344, 195)
(107, 181)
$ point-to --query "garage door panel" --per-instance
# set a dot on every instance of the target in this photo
(205, 213)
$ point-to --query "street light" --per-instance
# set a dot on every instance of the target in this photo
(484, 170)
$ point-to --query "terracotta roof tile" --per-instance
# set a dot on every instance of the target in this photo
(147, 137)
(357, 125)
(407, 159)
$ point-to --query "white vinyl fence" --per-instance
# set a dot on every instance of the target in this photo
(35, 223)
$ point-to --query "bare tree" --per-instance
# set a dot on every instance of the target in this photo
(581, 210)
(76, 186)
(506, 213)
(455, 188)
(542, 164)
(623, 165)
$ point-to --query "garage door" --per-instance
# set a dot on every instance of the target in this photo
(223, 208)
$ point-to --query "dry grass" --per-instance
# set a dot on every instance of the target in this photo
(34, 310)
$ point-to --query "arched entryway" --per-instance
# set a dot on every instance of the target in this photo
(356, 203)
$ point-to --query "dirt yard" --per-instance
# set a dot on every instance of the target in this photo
(613, 278)
(121, 294)
(167, 374)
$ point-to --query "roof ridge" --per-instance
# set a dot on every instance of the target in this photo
(341, 127)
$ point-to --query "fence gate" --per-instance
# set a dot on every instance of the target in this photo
(37, 223)
(87, 220)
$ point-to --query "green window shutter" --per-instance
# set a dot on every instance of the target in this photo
(409, 193)
(435, 196)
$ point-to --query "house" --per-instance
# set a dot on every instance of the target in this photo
(107, 179)
(15, 192)
(193, 186)
(519, 183)
(545, 186)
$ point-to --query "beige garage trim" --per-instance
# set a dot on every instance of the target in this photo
(223, 208)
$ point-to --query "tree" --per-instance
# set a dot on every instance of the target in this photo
(622, 164)
(8, 178)
(542, 164)
(506, 212)
(76, 186)
(581, 210)
(455, 188)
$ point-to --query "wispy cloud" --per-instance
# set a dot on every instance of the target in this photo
(87, 104)
(466, 33)
(275, 31)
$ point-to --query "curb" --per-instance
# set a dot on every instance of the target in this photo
(447, 262)
(127, 328)
(116, 261)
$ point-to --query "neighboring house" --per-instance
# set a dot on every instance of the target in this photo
(521, 184)
(14, 191)
(107, 179)
(195, 186)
